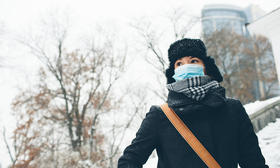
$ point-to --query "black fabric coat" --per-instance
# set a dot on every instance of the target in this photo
(221, 124)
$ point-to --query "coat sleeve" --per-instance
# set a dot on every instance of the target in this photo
(141, 147)
(250, 155)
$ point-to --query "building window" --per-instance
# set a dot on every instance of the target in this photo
(207, 26)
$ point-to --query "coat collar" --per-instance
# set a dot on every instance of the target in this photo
(181, 103)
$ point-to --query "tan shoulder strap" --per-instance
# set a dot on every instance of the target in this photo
(190, 137)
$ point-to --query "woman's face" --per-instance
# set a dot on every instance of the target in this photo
(189, 60)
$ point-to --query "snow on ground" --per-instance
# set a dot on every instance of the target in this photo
(257, 105)
(151, 163)
(269, 141)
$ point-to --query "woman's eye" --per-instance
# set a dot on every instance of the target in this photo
(194, 61)
(179, 63)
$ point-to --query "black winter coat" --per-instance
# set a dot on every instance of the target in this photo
(221, 124)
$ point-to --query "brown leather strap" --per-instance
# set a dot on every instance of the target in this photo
(190, 137)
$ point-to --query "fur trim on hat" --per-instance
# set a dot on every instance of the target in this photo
(186, 47)
(194, 48)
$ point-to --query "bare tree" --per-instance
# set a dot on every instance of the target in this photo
(2, 31)
(133, 112)
(135, 105)
(73, 91)
(181, 22)
(153, 41)
(151, 38)
(259, 49)
(12, 156)
(247, 64)
(226, 47)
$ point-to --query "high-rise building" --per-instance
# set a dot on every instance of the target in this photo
(272, 31)
(253, 12)
(218, 16)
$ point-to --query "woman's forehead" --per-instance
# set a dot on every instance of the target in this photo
(186, 57)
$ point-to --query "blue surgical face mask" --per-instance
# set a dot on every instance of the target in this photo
(188, 71)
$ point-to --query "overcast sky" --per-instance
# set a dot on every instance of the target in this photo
(16, 15)
(19, 11)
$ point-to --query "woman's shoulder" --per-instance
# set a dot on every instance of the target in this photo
(156, 111)
(155, 108)
(233, 101)
(236, 107)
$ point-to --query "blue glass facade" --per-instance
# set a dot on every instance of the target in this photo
(216, 17)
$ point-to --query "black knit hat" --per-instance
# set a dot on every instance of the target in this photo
(194, 48)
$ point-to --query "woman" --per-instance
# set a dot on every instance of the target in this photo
(221, 124)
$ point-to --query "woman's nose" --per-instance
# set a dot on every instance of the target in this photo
(186, 62)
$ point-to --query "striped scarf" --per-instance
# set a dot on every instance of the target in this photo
(195, 87)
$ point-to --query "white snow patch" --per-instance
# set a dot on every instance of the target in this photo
(257, 105)
(269, 141)
(151, 162)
